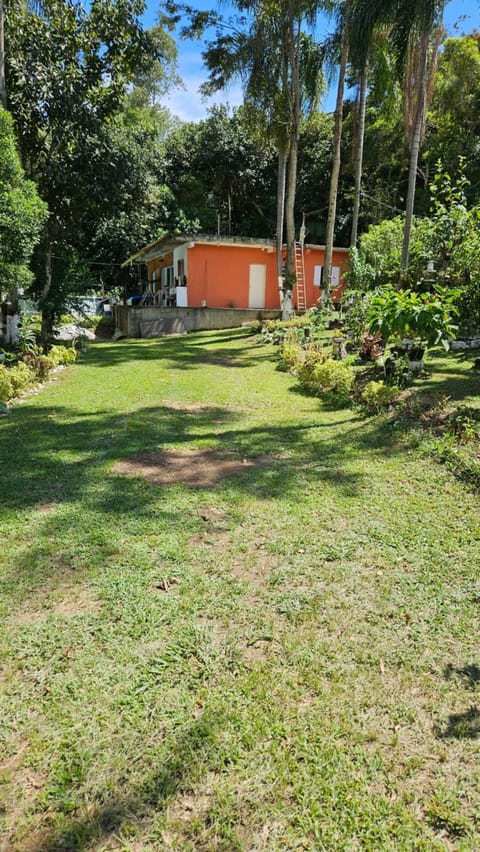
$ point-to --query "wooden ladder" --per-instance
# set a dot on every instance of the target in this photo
(300, 276)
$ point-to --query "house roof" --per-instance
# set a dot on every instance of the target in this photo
(172, 240)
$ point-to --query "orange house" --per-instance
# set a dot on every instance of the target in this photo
(201, 271)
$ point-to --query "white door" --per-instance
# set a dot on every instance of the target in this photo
(258, 277)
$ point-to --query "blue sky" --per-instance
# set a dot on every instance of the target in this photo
(188, 105)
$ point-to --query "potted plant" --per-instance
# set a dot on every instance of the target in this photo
(419, 320)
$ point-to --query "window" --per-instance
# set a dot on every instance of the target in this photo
(167, 277)
(318, 276)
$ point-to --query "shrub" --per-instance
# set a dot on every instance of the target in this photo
(377, 395)
(291, 353)
(93, 322)
(105, 325)
(62, 355)
(21, 377)
(403, 313)
(332, 377)
(306, 367)
(43, 365)
(275, 331)
(6, 390)
(38, 361)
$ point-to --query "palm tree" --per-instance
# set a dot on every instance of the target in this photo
(358, 153)
(343, 13)
(410, 24)
(376, 69)
(280, 66)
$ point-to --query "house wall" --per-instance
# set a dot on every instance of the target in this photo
(218, 276)
(316, 257)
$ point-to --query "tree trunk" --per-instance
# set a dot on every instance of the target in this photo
(415, 149)
(290, 226)
(290, 204)
(47, 313)
(281, 182)
(295, 114)
(3, 87)
(337, 140)
(359, 157)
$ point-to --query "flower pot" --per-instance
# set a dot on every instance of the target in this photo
(415, 356)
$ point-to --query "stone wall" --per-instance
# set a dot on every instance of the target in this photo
(154, 321)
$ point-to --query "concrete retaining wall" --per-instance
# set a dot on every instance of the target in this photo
(153, 321)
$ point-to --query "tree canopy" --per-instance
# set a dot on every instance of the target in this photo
(22, 213)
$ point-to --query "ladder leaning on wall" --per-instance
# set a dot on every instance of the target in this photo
(300, 276)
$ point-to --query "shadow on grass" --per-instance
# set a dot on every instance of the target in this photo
(469, 675)
(450, 375)
(185, 352)
(62, 453)
(461, 726)
(191, 753)
(57, 457)
(66, 459)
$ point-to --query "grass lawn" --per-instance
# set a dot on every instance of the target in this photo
(284, 659)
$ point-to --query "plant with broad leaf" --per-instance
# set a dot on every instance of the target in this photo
(426, 317)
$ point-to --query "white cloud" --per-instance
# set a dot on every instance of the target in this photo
(189, 105)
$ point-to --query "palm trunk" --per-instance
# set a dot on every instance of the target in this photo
(359, 157)
(3, 87)
(290, 204)
(289, 280)
(281, 182)
(295, 100)
(415, 150)
(47, 314)
(337, 140)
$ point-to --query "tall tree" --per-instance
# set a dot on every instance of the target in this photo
(3, 87)
(358, 153)
(270, 49)
(67, 73)
(22, 213)
(411, 24)
(343, 14)
(379, 67)
(456, 104)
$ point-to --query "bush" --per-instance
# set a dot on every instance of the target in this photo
(38, 361)
(93, 322)
(291, 352)
(403, 313)
(43, 365)
(306, 367)
(62, 355)
(105, 326)
(377, 395)
(6, 389)
(332, 377)
(21, 377)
